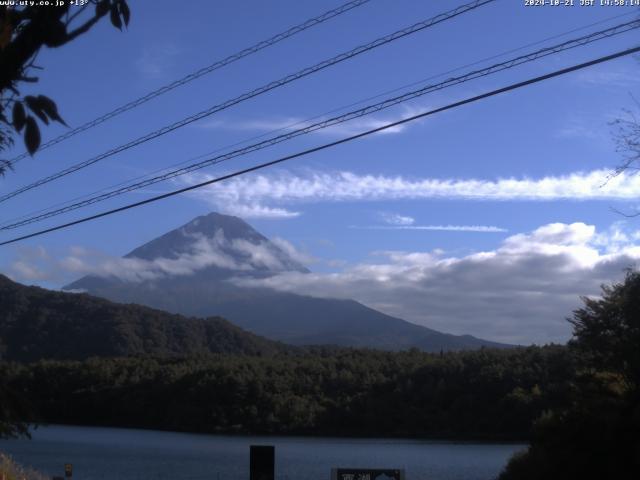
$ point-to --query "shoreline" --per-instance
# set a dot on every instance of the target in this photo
(459, 440)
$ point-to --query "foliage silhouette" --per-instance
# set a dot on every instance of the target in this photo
(597, 433)
(24, 31)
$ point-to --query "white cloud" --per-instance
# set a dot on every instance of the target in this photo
(396, 219)
(257, 211)
(581, 128)
(257, 255)
(26, 271)
(217, 251)
(292, 252)
(437, 228)
(26, 265)
(521, 292)
(267, 193)
(156, 60)
(204, 252)
(608, 77)
(351, 127)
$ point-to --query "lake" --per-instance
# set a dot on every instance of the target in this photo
(127, 454)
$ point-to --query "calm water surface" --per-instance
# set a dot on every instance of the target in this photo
(125, 454)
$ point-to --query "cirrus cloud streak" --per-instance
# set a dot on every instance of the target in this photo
(268, 195)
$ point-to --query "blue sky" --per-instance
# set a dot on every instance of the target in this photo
(515, 179)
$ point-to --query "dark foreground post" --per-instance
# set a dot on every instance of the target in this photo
(262, 462)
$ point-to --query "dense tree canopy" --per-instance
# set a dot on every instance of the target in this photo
(597, 435)
(37, 323)
(474, 394)
(607, 330)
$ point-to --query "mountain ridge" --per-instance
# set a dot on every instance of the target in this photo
(37, 323)
(288, 317)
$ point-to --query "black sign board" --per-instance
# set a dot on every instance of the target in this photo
(262, 462)
(68, 470)
(367, 474)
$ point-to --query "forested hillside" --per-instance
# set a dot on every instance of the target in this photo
(36, 323)
(482, 394)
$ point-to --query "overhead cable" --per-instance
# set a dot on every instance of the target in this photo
(370, 109)
(312, 22)
(325, 146)
(253, 93)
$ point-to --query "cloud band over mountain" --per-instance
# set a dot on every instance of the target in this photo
(519, 292)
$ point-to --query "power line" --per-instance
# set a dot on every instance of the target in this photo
(337, 120)
(265, 88)
(387, 103)
(312, 22)
(315, 117)
(261, 166)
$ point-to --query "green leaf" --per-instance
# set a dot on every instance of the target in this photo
(34, 106)
(19, 116)
(31, 135)
(115, 17)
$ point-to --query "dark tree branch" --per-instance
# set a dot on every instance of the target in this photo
(23, 32)
(82, 29)
(79, 11)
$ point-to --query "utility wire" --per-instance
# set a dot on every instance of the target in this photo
(258, 91)
(306, 121)
(387, 103)
(312, 22)
(310, 119)
(261, 166)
